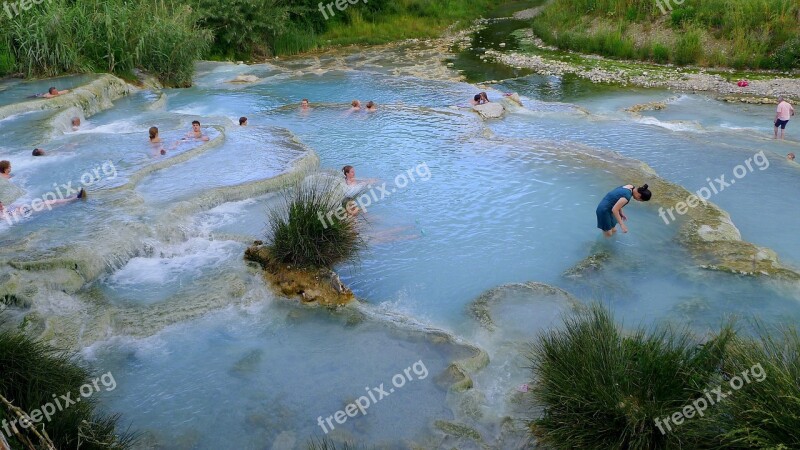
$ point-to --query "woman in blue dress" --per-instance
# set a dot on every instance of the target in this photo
(609, 211)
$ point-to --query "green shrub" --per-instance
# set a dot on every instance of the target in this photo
(306, 232)
(688, 48)
(660, 53)
(602, 388)
(681, 16)
(787, 56)
(763, 414)
(107, 36)
(32, 372)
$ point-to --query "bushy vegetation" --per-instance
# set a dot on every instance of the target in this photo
(166, 37)
(118, 36)
(768, 415)
(756, 34)
(603, 388)
(32, 372)
(305, 230)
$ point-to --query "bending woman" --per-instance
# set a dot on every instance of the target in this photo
(609, 211)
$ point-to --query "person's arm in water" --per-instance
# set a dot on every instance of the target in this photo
(617, 211)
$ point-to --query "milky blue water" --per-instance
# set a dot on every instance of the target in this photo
(468, 206)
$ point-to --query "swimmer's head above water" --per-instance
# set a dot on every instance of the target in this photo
(38, 152)
(243, 121)
(790, 156)
(153, 132)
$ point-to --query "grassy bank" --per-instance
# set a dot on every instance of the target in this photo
(33, 376)
(601, 387)
(166, 37)
(743, 34)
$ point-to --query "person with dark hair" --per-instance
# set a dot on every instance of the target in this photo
(197, 132)
(38, 152)
(304, 105)
(76, 123)
(790, 157)
(609, 211)
(480, 98)
(371, 106)
(53, 92)
(242, 121)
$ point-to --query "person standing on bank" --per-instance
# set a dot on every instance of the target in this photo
(609, 211)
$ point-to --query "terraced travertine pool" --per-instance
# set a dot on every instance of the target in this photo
(147, 279)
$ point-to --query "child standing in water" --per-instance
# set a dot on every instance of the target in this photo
(609, 211)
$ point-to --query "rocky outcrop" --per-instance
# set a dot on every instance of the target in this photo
(244, 79)
(491, 110)
(650, 106)
(91, 98)
(321, 286)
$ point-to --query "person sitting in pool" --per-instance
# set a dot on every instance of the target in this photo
(371, 106)
(76, 123)
(53, 92)
(480, 98)
(38, 152)
(197, 132)
(304, 105)
(609, 211)
(242, 121)
(155, 141)
(355, 105)
(790, 157)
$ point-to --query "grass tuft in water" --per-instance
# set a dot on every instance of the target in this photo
(306, 231)
(603, 388)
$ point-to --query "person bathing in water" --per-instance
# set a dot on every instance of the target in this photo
(155, 141)
(304, 105)
(480, 99)
(52, 92)
(609, 211)
(242, 121)
(25, 210)
(371, 106)
(197, 132)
